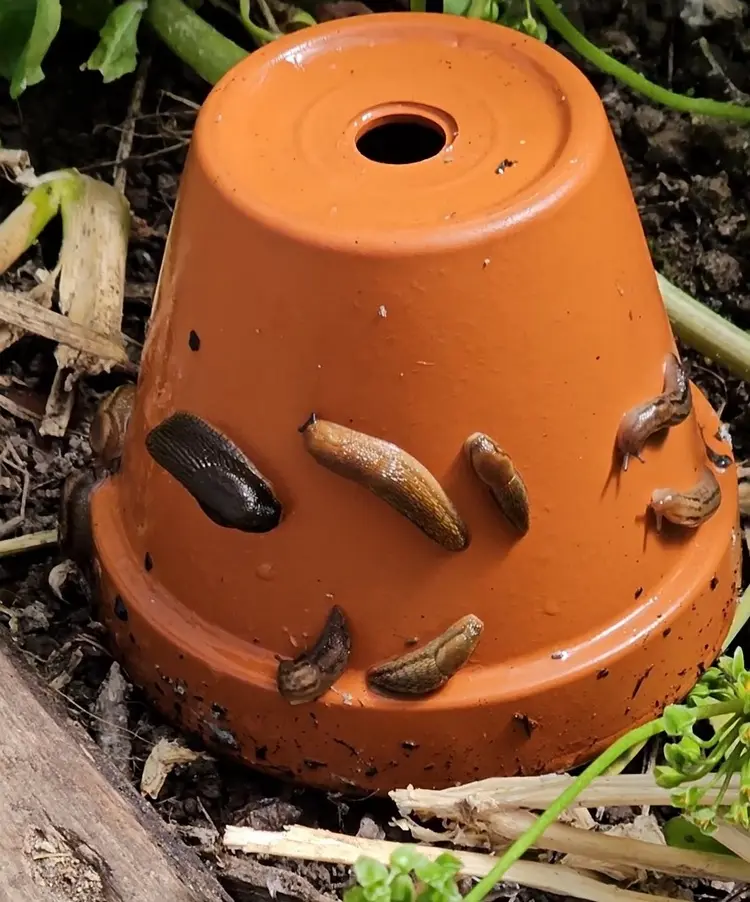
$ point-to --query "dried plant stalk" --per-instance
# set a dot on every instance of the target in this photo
(538, 793)
(734, 838)
(18, 310)
(96, 227)
(321, 845)
(29, 542)
(489, 821)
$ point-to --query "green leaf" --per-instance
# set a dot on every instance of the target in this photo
(683, 753)
(16, 20)
(738, 663)
(678, 719)
(667, 777)
(406, 859)
(377, 892)
(704, 819)
(739, 814)
(530, 26)
(681, 834)
(27, 70)
(456, 7)
(354, 894)
(402, 888)
(116, 54)
(449, 863)
(370, 872)
(436, 874)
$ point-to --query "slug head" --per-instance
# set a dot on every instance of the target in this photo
(110, 423)
(660, 500)
(478, 443)
(299, 681)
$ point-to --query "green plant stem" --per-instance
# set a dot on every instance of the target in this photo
(569, 795)
(698, 105)
(193, 40)
(706, 331)
(259, 35)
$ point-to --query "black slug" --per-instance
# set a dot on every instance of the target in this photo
(226, 485)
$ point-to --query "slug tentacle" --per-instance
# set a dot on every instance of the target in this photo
(313, 672)
(690, 508)
(424, 670)
(669, 408)
(110, 424)
(390, 473)
(496, 470)
(219, 476)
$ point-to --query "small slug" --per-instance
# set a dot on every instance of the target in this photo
(313, 672)
(110, 423)
(390, 473)
(669, 408)
(690, 508)
(496, 469)
(426, 669)
(226, 485)
(74, 517)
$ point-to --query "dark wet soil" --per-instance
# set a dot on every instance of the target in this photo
(690, 181)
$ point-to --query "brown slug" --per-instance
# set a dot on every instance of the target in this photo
(313, 672)
(74, 535)
(496, 470)
(110, 423)
(391, 474)
(424, 670)
(690, 508)
(669, 408)
(219, 476)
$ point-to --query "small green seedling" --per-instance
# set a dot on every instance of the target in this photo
(435, 879)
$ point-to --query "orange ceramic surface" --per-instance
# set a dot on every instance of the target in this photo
(501, 285)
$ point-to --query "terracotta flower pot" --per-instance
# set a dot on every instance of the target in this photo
(417, 227)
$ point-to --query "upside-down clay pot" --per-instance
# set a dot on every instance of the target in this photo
(418, 227)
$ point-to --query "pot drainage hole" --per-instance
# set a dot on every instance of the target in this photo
(397, 140)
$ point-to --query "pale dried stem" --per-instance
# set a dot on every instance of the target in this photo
(96, 227)
(17, 410)
(538, 793)
(501, 824)
(733, 838)
(29, 542)
(17, 310)
(309, 844)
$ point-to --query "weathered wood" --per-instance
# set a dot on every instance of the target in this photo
(71, 828)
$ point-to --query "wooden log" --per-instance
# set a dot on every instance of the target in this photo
(70, 826)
